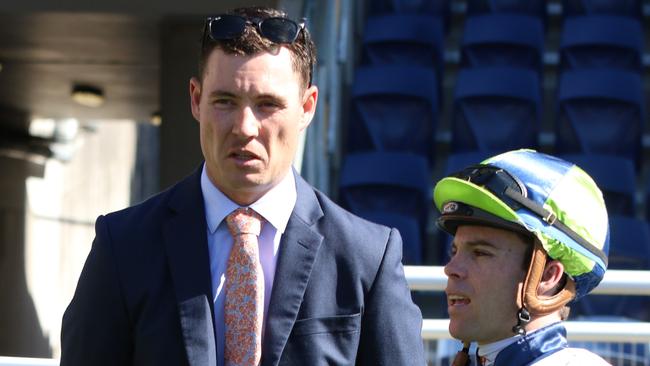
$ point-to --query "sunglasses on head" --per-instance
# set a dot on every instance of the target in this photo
(229, 26)
(513, 193)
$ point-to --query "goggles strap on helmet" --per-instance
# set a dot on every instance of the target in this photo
(551, 218)
(529, 302)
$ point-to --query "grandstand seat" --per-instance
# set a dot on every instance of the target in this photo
(647, 199)
(600, 111)
(438, 8)
(386, 181)
(630, 8)
(616, 177)
(495, 108)
(535, 8)
(394, 108)
(410, 39)
(629, 249)
(601, 41)
(458, 161)
(395, 183)
(409, 229)
(503, 40)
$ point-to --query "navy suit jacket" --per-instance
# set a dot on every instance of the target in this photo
(144, 296)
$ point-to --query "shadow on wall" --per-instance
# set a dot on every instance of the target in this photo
(20, 329)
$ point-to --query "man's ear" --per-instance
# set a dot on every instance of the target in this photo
(552, 279)
(309, 101)
(195, 97)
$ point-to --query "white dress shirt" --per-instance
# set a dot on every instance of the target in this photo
(491, 350)
(276, 207)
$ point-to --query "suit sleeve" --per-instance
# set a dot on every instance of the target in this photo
(391, 330)
(95, 329)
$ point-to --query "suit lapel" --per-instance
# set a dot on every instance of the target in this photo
(298, 249)
(187, 254)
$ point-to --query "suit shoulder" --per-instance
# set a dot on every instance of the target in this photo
(140, 211)
(333, 211)
(152, 210)
(356, 226)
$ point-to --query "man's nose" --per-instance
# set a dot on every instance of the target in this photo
(455, 267)
(246, 124)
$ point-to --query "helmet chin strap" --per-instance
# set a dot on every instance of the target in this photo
(528, 301)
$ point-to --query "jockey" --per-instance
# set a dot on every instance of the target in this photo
(531, 234)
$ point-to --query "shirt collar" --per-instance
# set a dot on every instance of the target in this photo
(489, 351)
(275, 205)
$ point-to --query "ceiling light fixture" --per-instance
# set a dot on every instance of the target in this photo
(156, 119)
(88, 95)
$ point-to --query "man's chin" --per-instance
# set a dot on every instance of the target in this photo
(458, 330)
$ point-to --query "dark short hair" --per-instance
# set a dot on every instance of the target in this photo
(303, 51)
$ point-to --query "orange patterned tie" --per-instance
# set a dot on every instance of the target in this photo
(244, 305)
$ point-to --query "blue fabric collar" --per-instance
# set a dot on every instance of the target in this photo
(534, 346)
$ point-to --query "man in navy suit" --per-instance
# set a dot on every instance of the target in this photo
(152, 289)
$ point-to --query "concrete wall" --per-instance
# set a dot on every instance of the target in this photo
(47, 215)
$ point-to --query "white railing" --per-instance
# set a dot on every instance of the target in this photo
(19, 361)
(627, 332)
(615, 282)
(428, 278)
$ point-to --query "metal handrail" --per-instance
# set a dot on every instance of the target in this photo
(21, 361)
(596, 331)
(433, 278)
(615, 282)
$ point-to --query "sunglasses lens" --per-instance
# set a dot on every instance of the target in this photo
(227, 27)
(279, 30)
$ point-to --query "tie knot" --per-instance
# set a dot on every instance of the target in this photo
(244, 220)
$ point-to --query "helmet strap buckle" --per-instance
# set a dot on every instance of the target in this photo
(523, 318)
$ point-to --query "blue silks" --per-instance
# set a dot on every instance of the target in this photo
(534, 346)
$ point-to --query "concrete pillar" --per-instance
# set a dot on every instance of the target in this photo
(180, 151)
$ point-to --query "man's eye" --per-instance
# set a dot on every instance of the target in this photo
(481, 253)
(224, 102)
(269, 104)
(451, 252)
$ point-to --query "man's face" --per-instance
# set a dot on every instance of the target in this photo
(484, 277)
(251, 110)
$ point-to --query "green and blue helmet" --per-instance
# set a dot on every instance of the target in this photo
(552, 199)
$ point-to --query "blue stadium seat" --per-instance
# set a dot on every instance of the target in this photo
(503, 40)
(535, 8)
(600, 111)
(629, 249)
(630, 8)
(395, 183)
(458, 161)
(409, 229)
(601, 41)
(495, 108)
(616, 177)
(438, 8)
(409, 39)
(394, 108)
